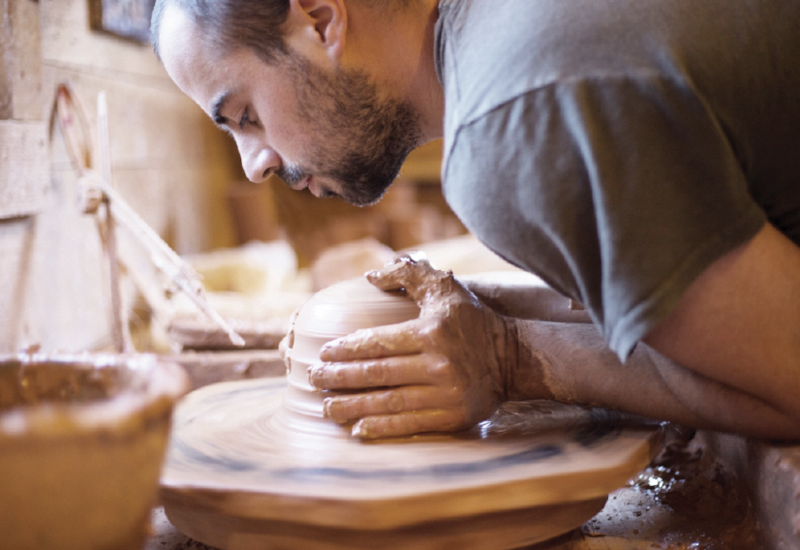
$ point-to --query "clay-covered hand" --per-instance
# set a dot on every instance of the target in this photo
(444, 371)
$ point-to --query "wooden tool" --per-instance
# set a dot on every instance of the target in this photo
(97, 190)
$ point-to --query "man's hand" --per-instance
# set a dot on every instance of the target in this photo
(444, 371)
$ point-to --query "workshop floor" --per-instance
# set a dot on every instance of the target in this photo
(686, 500)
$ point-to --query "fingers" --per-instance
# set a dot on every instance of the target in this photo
(414, 273)
(344, 408)
(410, 423)
(386, 341)
(398, 371)
(398, 412)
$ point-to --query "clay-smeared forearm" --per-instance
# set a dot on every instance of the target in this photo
(573, 364)
(524, 296)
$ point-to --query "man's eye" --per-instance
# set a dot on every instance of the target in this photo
(244, 120)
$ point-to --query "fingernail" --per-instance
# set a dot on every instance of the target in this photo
(332, 344)
(359, 429)
(314, 373)
(332, 410)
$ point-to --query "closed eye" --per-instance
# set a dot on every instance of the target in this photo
(246, 120)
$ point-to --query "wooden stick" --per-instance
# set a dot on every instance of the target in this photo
(178, 271)
(119, 326)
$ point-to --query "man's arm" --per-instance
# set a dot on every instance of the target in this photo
(727, 358)
(573, 363)
(740, 322)
(524, 296)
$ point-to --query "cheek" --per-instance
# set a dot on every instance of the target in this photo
(283, 126)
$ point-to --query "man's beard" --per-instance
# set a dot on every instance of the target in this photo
(360, 140)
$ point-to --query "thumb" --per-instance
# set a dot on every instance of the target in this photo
(413, 272)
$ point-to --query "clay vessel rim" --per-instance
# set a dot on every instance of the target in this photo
(150, 393)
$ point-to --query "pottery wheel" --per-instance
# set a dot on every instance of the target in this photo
(252, 465)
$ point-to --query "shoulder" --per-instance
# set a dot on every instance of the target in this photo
(494, 51)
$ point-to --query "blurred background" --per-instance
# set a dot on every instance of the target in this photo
(172, 167)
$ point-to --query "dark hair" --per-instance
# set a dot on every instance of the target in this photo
(229, 24)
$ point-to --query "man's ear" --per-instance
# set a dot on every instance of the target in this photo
(317, 27)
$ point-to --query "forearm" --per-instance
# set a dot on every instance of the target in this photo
(524, 296)
(571, 363)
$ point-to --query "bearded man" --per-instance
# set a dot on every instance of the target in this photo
(643, 158)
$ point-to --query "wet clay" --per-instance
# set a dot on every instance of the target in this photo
(709, 506)
(685, 500)
(28, 384)
(256, 463)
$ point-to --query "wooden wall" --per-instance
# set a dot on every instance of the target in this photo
(168, 161)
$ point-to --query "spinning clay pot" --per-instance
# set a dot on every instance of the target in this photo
(336, 311)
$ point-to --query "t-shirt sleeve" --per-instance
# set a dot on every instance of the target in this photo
(618, 191)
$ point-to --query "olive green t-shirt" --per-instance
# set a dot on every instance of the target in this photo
(617, 148)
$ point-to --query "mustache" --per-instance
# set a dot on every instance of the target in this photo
(291, 174)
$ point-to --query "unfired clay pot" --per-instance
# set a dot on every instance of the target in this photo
(333, 312)
(82, 440)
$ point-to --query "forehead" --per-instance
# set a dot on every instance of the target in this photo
(195, 64)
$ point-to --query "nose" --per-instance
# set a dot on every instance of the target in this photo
(259, 163)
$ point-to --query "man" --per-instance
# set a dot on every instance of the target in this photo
(641, 157)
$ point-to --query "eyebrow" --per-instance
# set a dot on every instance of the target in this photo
(216, 109)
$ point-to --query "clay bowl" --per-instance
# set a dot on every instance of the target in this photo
(82, 441)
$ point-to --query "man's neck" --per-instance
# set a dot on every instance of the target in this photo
(397, 50)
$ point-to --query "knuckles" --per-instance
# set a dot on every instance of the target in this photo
(442, 372)
(374, 373)
(395, 403)
(433, 331)
(326, 376)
